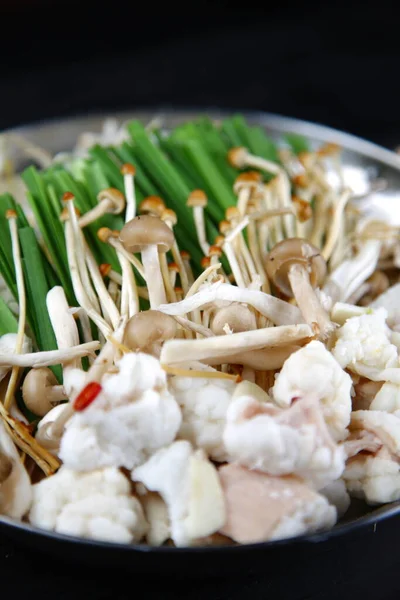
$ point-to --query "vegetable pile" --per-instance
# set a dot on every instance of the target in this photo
(199, 337)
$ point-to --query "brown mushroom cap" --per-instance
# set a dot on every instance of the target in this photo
(197, 198)
(249, 179)
(146, 230)
(115, 198)
(5, 467)
(294, 251)
(238, 317)
(37, 390)
(147, 328)
(152, 205)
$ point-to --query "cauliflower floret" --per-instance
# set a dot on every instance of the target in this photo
(95, 505)
(387, 399)
(374, 478)
(384, 426)
(363, 345)
(336, 494)
(132, 417)
(260, 507)
(283, 441)
(204, 403)
(312, 371)
(390, 301)
(189, 485)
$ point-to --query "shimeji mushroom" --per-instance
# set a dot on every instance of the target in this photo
(197, 200)
(62, 321)
(276, 310)
(233, 318)
(19, 342)
(75, 240)
(243, 187)
(182, 259)
(296, 267)
(15, 486)
(149, 236)
(41, 391)
(129, 291)
(7, 346)
(49, 357)
(147, 330)
(152, 205)
(128, 171)
(109, 200)
(80, 290)
(176, 351)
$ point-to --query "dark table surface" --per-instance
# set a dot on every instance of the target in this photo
(333, 63)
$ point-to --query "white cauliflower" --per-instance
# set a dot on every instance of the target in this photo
(156, 513)
(336, 494)
(384, 426)
(390, 301)
(133, 416)
(374, 478)
(280, 441)
(364, 346)
(312, 371)
(260, 507)
(189, 485)
(387, 399)
(204, 403)
(96, 505)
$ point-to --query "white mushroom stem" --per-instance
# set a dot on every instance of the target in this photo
(320, 220)
(129, 291)
(195, 327)
(256, 255)
(342, 311)
(313, 312)
(266, 359)
(174, 351)
(78, 244)
(335, 224)
(276, 310)
(202, 278)
(129, 186)
(84, 320)
(114, 291)
(62, 322)
(153, 276)
(234, 265)
(168, 286)
(95, 213)
(79, 289)
(130, 257)
(107, 304)
(283, 191)
(198, 216)
(242, 248)
(184, 269)
(19, 275)
(48, 358)
(349, 275)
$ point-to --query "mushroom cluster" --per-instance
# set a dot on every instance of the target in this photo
(237, 394)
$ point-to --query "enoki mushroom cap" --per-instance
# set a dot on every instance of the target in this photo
(37, 390)
(114, 197)
(128, 169)
(238, 317)
(250, 179)
(147, 328)
(237, 157)
(293, 251)
(152, 205)
(197, 198)
(146, 230)
(169, 215)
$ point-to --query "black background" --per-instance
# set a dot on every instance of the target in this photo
(335, 63)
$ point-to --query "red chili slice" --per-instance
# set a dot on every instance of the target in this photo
(87, 395)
